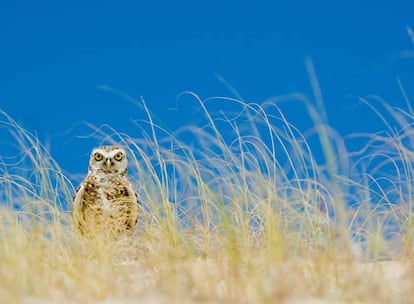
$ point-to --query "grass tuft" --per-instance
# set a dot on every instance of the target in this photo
(236, 208)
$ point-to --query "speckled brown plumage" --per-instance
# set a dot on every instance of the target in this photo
(105, 203)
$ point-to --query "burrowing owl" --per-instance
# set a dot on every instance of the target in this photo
(106, 202)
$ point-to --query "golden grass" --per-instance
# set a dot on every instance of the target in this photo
(248, 215)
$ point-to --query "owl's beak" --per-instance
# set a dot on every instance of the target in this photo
(108, 163)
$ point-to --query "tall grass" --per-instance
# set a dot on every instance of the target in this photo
(240, 211)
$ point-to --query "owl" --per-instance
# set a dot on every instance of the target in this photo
(106, 203)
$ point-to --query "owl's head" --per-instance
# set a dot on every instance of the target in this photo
(108, 159)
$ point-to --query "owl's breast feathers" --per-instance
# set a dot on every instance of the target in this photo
(106, 203)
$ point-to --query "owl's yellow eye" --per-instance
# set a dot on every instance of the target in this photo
(98, 156)
(119, 156)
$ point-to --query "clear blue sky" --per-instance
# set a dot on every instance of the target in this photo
(55, 55)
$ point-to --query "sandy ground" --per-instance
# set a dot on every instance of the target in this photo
(379, 282)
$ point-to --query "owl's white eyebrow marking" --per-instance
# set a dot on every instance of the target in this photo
(106, 153)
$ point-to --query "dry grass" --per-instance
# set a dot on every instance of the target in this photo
(248, 216)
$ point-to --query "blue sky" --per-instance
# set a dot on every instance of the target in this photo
(56, 56)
